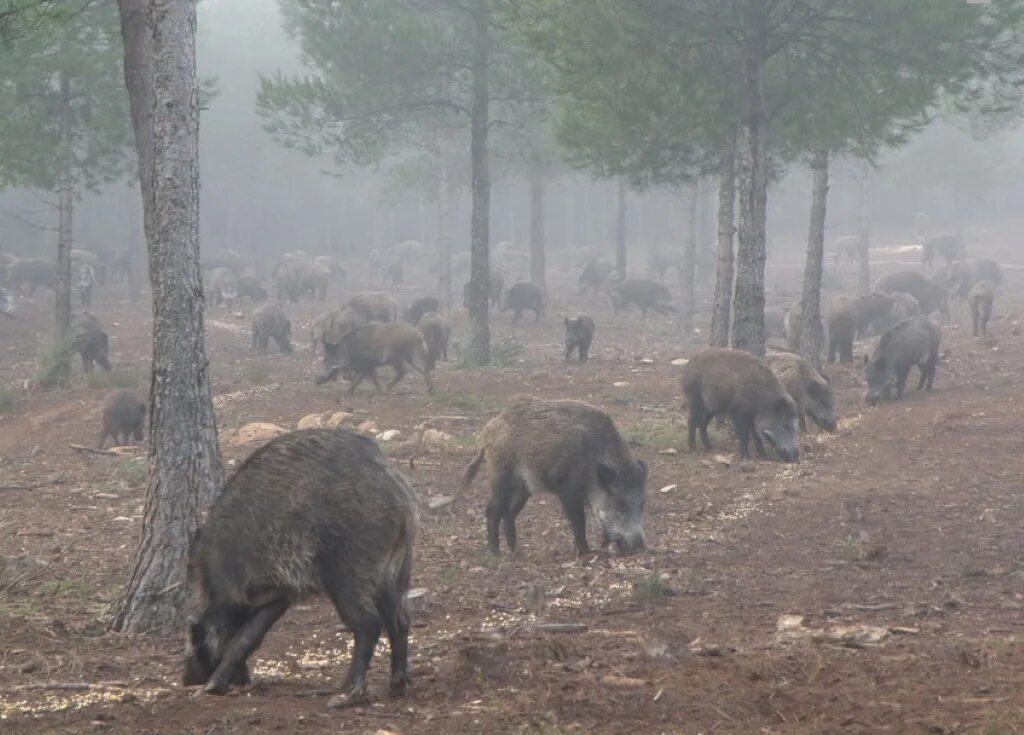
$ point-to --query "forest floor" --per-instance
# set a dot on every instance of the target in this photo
(877, 586)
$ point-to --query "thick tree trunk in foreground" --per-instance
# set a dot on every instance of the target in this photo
(479, 263)
(65, 194)
(812, 335)
(751, 170)
(722, 307)
(185, 471)
(620, 229)
(538, 266)
(688, 273)
(444, 237)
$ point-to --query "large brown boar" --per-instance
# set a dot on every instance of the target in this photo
(735, 383)
(644, 294)
(980, 298)
(524, 296)
(570, 449)
(360, 352)
(269, 321)
(911, 342)
(808, 388)
(33, 271)
(931, 297)
(376, 306)
(328, 329)
(435, 333)
(315, 512)
(124, 415)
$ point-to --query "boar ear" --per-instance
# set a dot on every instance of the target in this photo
(606, 473)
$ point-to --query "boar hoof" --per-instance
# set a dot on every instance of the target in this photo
(356, 696)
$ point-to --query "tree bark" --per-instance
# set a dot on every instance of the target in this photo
(620, 229)
(688, 272)
(444, 236)
(812, 334)
(185, 471)
(748, 299)
(538, 267)
(480, 267)
(721, 309)
(864, 261)
(65, 194)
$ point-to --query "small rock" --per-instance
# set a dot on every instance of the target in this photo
(671, 452)
(434, 440)
(668, 488)
(256, 432)
(440, 501)
(723, 459)
(620, 384)
(645, 361)
(680, 361)
(625, 682)
(337, 419)
(367, 427)
(312, 421)
(386, 436)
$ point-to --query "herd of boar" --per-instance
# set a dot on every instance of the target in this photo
(323, 512)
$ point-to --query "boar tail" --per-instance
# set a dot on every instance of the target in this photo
(472, 469)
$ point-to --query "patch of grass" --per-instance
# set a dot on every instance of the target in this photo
(651, 588)
(656, 435)
(54, 364)
(458, 400)
(506, 352)
(852, 548)
(256, 373)
(543, 728)
(67, 588)
(8, 399)
(450, 573)
(132, 471)
(113, 380)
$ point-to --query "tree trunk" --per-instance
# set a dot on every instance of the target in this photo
(748, 298)
(65, 194)
(812, 335)
(688, 273)
(620, 229)
(185, 471)
(444, 237)
(134, 236)
(721, 309)
(480, 268)
(538, 268)
(864, 261)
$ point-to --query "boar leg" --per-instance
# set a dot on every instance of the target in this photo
(743, 426)
(396, 623)
(503, 492)
(572, 504)
(758, 443)
(243, 643)
(901, 380)
(508, 521)
(365, 625)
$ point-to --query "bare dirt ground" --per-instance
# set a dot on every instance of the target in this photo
(878, 586)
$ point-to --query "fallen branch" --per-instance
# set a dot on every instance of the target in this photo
(873, 608)
(550, 628)
(91, 450)
(70, 686)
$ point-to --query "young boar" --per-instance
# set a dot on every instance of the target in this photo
(312, 512)
(980, 299)
(435, 333)
(579, 333)
(811, 392)
(911, 342)
(269, 321)
(124, 415)
(734, 382)
(90, 341)
(570, 449)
